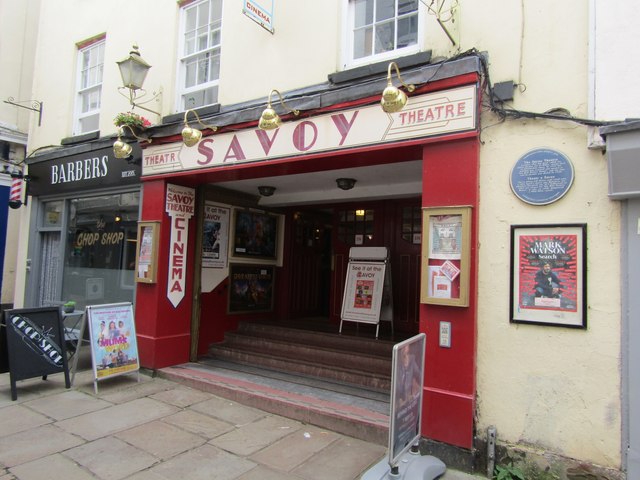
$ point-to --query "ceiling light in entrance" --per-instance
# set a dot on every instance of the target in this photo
(270, 120)
(345, 183)
(266, 191)
(393, 99)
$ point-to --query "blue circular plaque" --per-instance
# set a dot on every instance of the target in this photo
(541, 176)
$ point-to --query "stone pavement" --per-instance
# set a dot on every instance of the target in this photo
(155, 429)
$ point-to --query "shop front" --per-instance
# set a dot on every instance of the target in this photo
(221, 248)
(85, 207)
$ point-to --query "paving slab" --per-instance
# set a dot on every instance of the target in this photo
(203, 463)
(108, 421)
(294, 449)
(199, 423)
(17, 418)
(52, 466)
(111, 458)
(161, 439)
(255, 436)
(182, 396)
(228, 411)
(263, 473)
(344, 459)
(34, 443)
(68, 404)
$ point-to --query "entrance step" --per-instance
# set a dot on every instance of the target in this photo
(352, 411)
(349, 360)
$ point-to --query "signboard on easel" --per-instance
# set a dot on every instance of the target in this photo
(114, 349)
(35, 344)
(367, 291)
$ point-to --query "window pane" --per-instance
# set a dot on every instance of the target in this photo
(407, 6)
(407, 31)
(90, 123)
(203, 14)
(362, 42)
(385, 37)
(363, 11)
(385, 9)
(99, 260)
(52, 214)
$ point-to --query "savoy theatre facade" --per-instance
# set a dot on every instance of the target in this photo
(217, 248)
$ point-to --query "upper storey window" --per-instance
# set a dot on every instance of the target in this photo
(89, 94)
(381, 28)
(199, 69)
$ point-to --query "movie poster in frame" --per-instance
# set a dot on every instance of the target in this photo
(250, 288)
(548, 275)
(255, 234)
(215, 236)
(445, 256)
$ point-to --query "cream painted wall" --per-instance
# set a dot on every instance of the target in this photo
(149, 23)
(546, 388)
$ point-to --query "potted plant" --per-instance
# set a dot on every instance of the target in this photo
(69, 307)
(132, 120)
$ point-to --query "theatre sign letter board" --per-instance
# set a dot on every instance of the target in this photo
(35, 341)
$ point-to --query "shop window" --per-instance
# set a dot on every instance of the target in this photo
(199, 69)
(412, 224)
(100, 249)
(380, 29)
(89, 91)
(355, 227)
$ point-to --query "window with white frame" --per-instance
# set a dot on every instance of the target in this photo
(90, 70)
(378, 29)
(199, 69)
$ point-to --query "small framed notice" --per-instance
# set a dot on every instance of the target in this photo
(445, 256)
(147, 252)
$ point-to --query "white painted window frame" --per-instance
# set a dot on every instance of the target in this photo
(81, 91)
(347, 60)
(181, 90)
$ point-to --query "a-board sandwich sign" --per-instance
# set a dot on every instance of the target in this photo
(35, 344)
(407, 377)
(114, 348)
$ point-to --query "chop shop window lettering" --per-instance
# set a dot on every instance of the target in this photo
(100, 249)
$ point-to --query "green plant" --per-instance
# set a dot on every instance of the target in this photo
(131, 119)
(508, 472)
(70, 303)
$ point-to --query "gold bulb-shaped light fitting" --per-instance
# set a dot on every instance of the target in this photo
(190, 135)
(393, 99)
(122, 149)
(270, 120)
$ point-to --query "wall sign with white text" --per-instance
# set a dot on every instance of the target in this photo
(541, 176)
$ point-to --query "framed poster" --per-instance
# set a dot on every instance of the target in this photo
(445, 256)
(147, 252)
(250, 288)
(255, 234)
(215, 236)
(35, 344)
(548, 275)
(114, 347)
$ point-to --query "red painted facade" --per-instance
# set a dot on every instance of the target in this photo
(450, 166)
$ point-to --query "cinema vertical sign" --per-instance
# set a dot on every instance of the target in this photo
(180, 206)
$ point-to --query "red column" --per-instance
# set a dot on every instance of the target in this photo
(163, 331)
(451, 178)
